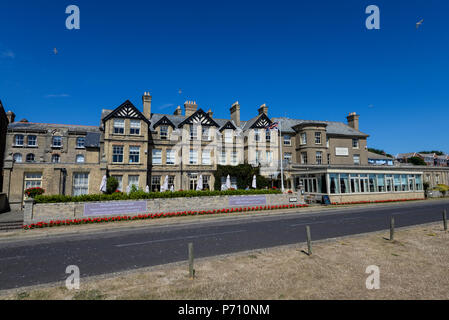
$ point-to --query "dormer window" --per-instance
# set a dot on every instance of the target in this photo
(134, 127)
(119, 126)
(18, 140)
(164, 133)
(57, 142)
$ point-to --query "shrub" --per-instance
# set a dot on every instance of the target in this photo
(442, 188)
(33, 192)
(111, 185)
(141, 195)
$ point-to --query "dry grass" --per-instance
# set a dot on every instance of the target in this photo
(415, 266)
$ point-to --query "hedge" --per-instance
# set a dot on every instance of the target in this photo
(141, 195)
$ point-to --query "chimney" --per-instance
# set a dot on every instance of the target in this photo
(353, 120)
(178, 111)
(147, 105)
(11, 116)
(235, 113)
(190, 108)
(263, 109)
(210, 113)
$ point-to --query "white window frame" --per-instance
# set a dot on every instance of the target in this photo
(134, 125)
(206, 157)
(157, 156)
(80, 185)
(134, 151)
(193, 156)
(115, 153)
(119, 126)
(170, 157)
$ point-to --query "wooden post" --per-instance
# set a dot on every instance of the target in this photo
(392, 228)
(309, 240)
(191, 270)
(445, 219)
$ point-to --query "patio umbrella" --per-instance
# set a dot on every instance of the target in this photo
(228, 182)
(164, 187)
(103, 184)
(128, 189)
(147, 189)
(199, 185)
(172, 188)
(254, 182)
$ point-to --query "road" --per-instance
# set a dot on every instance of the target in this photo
(44, 260)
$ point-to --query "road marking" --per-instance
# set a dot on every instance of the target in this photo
(12, 258)
(180, 238)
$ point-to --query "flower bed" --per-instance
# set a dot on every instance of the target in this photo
(374, 201)
(69, 222)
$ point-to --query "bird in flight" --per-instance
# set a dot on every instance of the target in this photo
(55, 51)
(419, 23)
(180, 91)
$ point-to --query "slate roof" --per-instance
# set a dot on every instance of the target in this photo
(333, 127)
(48, 126)
(92, 140)
(372, 155)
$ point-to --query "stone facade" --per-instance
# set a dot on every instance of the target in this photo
(143, 149)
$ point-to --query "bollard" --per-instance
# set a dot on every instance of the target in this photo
(309, 240)
(392, 228)
(191, 270)
(445, 219)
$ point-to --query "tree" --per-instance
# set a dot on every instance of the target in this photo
(379, 151)
(417, 161)
(111, 185)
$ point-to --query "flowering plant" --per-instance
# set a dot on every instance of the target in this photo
(32, 192)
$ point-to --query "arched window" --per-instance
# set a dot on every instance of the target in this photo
(30, 157)
(18, 140)
(56, 158)
(80, 158)
(18, 157)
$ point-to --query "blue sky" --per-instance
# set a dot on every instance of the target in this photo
(304, 59)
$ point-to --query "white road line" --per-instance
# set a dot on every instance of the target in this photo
(180, 238)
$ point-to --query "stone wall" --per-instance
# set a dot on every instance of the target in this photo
(44, 212)
(376, 196)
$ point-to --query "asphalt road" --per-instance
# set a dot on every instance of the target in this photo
(40, 261)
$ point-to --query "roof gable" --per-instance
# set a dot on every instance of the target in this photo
(126, 110)
(164, 121)
(199, 117)
(228, 125)
(262, 122)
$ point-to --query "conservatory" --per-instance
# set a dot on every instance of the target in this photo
(361, 185)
